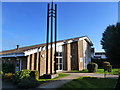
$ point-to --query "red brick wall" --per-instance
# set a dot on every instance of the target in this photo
(74, 53)
(67, 57)
(80, 55)
(37, 61)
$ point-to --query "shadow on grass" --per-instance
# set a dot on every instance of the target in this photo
(91, 82)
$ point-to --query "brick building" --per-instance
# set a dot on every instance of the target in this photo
(72, 54)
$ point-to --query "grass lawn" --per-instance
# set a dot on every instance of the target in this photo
(46, 80)
(90, 82)
(114, 71)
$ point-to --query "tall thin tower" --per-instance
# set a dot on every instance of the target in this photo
(52, 34)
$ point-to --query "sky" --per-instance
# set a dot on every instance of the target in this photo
(24, 23)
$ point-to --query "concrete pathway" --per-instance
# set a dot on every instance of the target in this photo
(59, 82)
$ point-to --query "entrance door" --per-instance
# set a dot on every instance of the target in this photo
(18, 65)
(59, 63)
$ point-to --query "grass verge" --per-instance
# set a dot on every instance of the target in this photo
(90, 82)
(114, 71)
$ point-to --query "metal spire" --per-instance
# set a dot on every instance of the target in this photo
(51, 14)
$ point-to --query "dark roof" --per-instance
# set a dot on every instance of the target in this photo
(22, 49)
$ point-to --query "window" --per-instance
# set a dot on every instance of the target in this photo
(58, 53)
(59, 62)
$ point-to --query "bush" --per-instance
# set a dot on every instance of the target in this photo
(8, 76)
(28, 82)
(109, 68)
(92, 67)
(34, 74)
(99, 62)
(1, 72)
(105, 65)
(20, 75)
(8, 67)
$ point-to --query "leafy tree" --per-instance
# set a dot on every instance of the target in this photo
(111, 43)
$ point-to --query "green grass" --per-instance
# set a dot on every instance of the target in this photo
(90, 82)
(60, 75)
(114, 71)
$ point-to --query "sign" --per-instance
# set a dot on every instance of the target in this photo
(81, 59)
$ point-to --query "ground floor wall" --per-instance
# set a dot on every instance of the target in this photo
(72, 58)
(18, 62)
(37, 61)
(76, 55)
(80, 55)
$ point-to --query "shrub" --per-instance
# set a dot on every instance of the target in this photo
(8, 67)
(34, 74)
(99, 62)
(92, 67)
(20, 75)
(28, 82)
(1, 72)
(109, 68)
(8, 76)
(105, 65)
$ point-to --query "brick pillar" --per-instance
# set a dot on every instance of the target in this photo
(28, 62)
(37, 60)
(39, 64)
(53, 60)
(80, 55)
(68, 57)
(89, 51)
(43, 62)
(32, 63)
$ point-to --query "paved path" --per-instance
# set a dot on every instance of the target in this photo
(59, 82)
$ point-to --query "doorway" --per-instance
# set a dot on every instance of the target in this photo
(59, 62)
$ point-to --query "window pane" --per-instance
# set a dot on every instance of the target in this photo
(56, 60)
(56, 53)
(56, 67)
(60, 66)
(60, 60)
(60, 53)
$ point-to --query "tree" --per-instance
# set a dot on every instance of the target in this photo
(111, 43)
